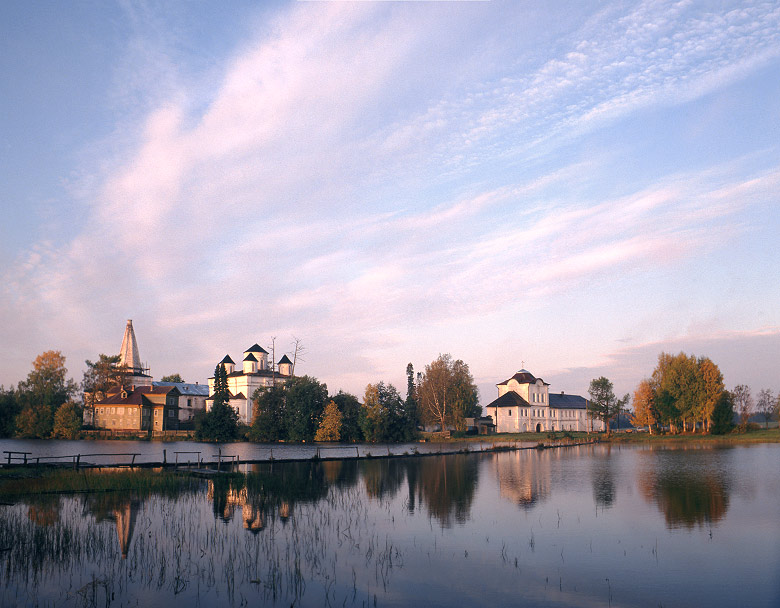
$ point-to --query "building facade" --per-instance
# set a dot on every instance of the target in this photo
(525, 404)
(192, 398)
(255, 373)
(143, 408)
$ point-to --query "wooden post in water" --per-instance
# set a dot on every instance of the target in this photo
(78, 461)
(165, 457)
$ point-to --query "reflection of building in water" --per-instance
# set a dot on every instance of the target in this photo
(125, 516)
(226, 499)
(254, 517)
(253, 514)
(524, 476)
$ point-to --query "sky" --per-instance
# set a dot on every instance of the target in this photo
(571, 187)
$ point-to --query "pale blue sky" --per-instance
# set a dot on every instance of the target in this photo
(577, 186)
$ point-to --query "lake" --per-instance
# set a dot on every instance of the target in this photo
(580, 526)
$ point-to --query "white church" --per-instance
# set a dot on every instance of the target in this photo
(254, 373)
(525, 404)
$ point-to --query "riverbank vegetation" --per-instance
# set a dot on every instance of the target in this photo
(28, 480)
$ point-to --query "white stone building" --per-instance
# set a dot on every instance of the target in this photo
(255, 373)
(525, 404)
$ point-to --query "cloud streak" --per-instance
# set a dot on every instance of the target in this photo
(292, 195)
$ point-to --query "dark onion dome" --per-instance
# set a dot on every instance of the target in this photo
(256, 348)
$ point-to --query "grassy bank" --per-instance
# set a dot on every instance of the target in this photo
(45, 480)
(734, 438)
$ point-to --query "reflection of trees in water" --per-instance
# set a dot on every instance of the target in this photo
(690, 487)
(383, 477)
(524, 476)
(44, 510)
(445, 484)
(603, 478)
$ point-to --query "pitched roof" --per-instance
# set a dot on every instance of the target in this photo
(250, 357)
(227, 359)
(138, 395)
(256, 348)
(570, 402)
(186, 388)
(522, 377)
(284, 360)
(509, 399)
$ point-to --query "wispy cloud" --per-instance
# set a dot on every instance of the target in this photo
(290, 192)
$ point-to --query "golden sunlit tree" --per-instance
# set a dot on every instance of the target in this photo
(44, 390)
(644, 406)
(330, 424)
(447, 394)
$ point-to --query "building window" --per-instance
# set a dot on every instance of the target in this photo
(121, 411)
(509, 413)
(155, 413)
(189, 402)
(170, 413)
(113, 410)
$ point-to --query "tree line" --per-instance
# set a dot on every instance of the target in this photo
(685, 393)
(300, 409)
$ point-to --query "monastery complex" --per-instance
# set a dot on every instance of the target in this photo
(524, 402)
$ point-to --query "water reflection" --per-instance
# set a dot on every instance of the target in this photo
(446, 485)
(365, 533)
(689, 487)
(603, 478)
(524, 477)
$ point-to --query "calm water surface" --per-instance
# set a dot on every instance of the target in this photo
(583, 526)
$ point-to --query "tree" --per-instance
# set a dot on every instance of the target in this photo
(221, 422)
(101, 376)
(447, 394)
(644, 406)
(330, 424)
(411, 405)
(712, 389)
(9, 409)
(382, 416)
(268, 420)
(349, 406)
(723, 414)
(743, 403)
(298, 351)
(603, 404)
(44, 390)
(67, 420)
(765, 405)
(306, 398)
(685, 390)
(172, 378)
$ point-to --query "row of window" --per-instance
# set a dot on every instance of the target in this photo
(130, 410)
(543, 413)
(537, 397)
